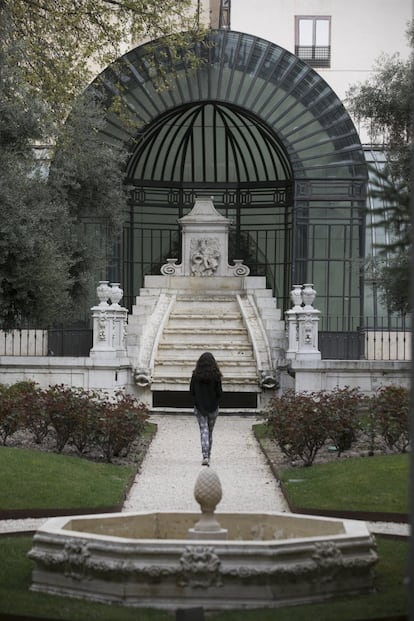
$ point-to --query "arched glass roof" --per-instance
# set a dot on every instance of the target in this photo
(207, 142)
(244, 79)
(262, 132)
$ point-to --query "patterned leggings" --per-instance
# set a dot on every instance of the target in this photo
(206, 423)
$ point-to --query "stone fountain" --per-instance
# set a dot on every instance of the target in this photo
(217, 561)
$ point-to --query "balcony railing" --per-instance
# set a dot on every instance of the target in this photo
(314, 55)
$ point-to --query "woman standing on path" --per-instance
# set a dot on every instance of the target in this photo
(205, 386)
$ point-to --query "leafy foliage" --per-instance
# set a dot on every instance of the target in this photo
(48, 260)
(342, 407)
(48, 54)
(9, 416)
(390, 407)
(87, 420)
(384, 103)
(61, 43)
(33, 269)
(32, 413)
(65, 407)
(119, 424)
(299, 425)
(392, 275)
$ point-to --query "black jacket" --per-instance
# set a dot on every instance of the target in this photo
(206, 394)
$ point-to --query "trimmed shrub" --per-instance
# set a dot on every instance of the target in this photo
(342, 407)
(12, 407)
(390, 409)
(33, 412)
(85, 419)
(299, 424)
(88, 420)
(119, 424)
(64, 405)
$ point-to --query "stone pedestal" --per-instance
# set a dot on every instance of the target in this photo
(109, 323)
(302, 324)
(308, 335)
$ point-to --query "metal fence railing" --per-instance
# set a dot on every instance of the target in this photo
(56, 341)
(351, 338)
(340, 338)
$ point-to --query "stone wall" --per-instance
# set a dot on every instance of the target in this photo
(112, 376)
(368, 375)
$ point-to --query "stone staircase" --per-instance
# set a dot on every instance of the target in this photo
(202, 323)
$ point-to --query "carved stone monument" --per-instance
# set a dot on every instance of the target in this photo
(205, 247)
(205, 304)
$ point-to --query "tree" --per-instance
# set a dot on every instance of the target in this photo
(49, 51)
(47, 260)
(33, 267)
(61, 43)
(385, 103)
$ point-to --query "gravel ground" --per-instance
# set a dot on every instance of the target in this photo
(170, 468)
(173, 462)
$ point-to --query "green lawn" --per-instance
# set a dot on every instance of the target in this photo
(379, 483)
(389, 599)
(46, 480)
(35, 480)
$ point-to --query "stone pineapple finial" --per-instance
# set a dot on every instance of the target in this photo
(208, 493)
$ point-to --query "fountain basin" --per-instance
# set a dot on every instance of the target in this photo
(147, 560)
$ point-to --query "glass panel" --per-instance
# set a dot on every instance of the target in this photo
(322, 32)
(305, 31)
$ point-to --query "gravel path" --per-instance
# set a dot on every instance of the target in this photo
(171, 466)
(173, 462)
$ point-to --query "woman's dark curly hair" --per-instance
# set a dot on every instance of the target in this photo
(207, 368)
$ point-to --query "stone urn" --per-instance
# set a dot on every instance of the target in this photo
(115, 293)
(296, 296)
(308, 295)
(103, 291)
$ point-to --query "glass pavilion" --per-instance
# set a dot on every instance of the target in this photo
(261, 132)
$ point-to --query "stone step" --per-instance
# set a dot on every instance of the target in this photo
(199, 324)
(202, 314)
(201, 297)
(204, 327)
(185, 381)
(232, 360)
(210, 321)
(204, 338)
(228, 367)
(219, 350)
(212, 304)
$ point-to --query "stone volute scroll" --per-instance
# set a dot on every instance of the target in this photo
(204, 245)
